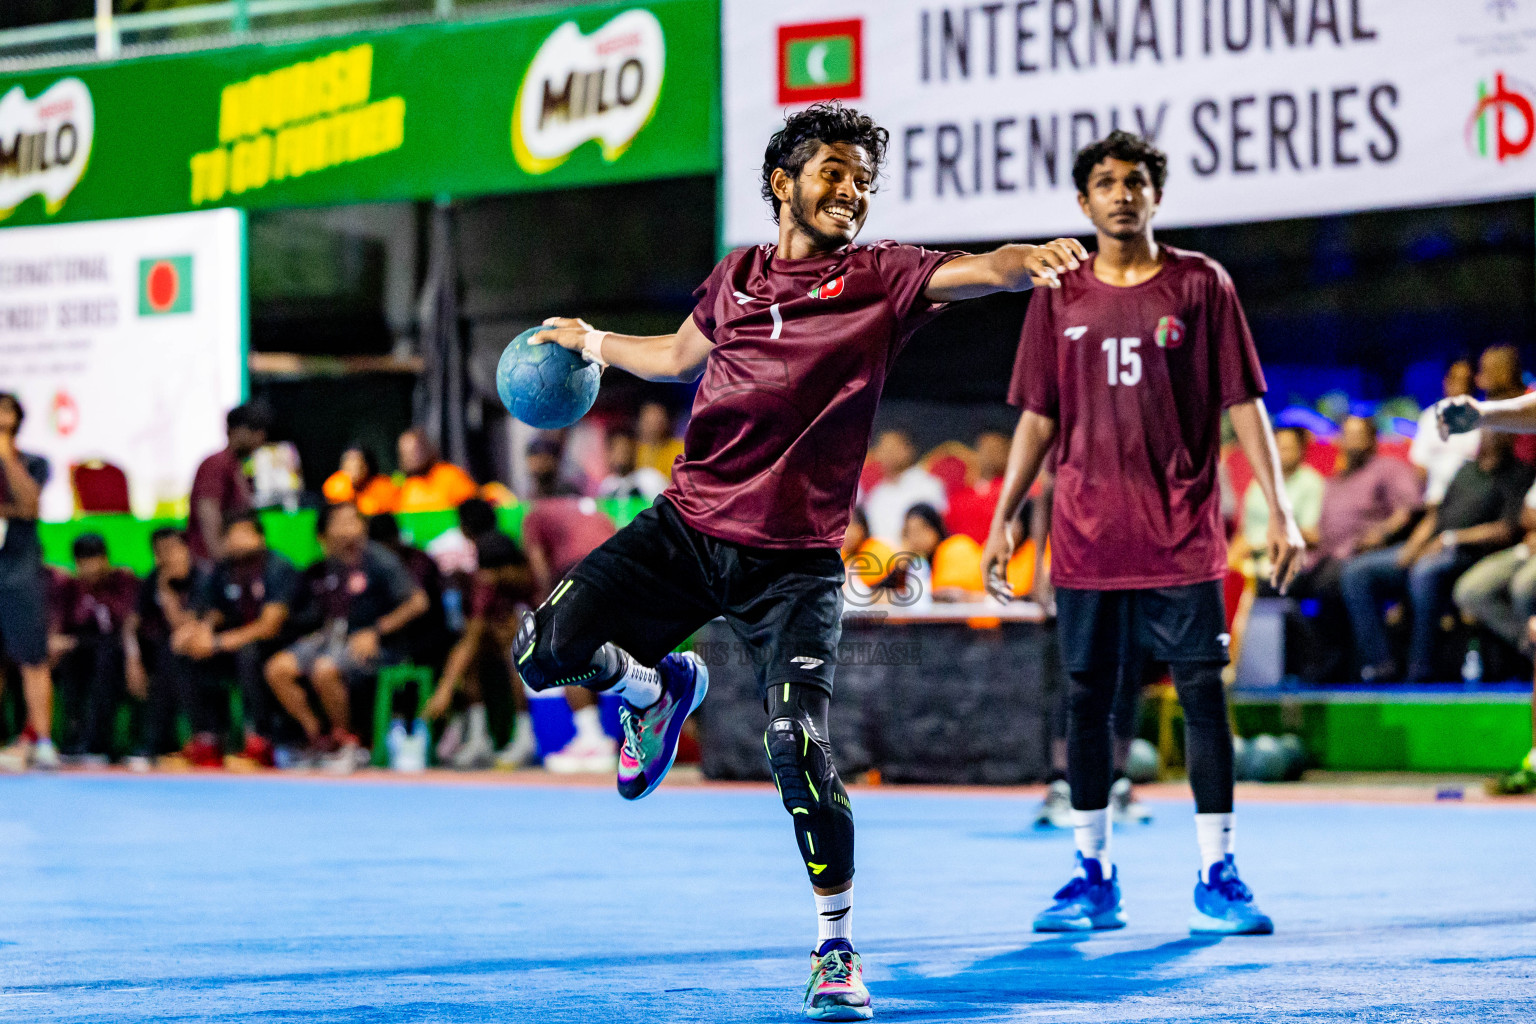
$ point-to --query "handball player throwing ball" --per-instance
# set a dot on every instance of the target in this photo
(793, 342)
(1127, 367)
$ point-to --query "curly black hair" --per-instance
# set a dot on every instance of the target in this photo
(805, 131)
(1122, 145)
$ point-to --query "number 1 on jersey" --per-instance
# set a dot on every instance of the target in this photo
(1124, 361)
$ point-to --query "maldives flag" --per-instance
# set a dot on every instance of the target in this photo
(165, 285)
(821, 61)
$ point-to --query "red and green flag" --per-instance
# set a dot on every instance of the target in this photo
(165, 285)
(821, 61)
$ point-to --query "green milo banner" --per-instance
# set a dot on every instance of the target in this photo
(614, 92)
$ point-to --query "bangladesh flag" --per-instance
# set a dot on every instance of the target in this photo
(165, 285)
(821, 61)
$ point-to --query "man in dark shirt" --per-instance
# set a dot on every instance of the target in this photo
(360, 599)
(156, 675)
(220, 488)
(500, 730)
(23, 592)
(1127, 370)
(1479, 514)
(93, 629)
(791, 344)
(242, 605)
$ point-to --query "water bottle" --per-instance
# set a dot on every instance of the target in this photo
(1472, 664)
(453, 609)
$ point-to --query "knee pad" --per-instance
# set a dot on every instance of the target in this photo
(544, 664)
(813, 794)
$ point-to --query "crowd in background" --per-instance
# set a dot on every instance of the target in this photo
(227, 653)
(1418, 551)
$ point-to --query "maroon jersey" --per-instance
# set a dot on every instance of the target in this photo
(1136, 379)
(782, 418)
(100, 608)
(566, 529)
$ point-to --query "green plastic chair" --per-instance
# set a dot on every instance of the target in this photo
(391, 679)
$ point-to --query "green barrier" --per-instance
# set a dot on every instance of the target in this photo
(290, 533)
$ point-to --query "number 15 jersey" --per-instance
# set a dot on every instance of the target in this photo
(1136, 379)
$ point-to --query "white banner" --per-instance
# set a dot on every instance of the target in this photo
(125, 340)
(1267, 108)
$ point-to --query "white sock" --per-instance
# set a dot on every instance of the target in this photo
(477, 729)
(589, 725)
(834, 917)
(522, 726)
(639, 685)
(1216, 834)
(1090, 830)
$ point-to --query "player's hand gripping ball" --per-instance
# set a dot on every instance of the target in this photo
(1457, 416)
(545, 386)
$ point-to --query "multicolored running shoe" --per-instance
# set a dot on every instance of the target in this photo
(1224, 905)
(651, 734)
(836, 990)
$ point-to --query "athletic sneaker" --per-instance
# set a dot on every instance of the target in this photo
(584, 755)
(138, 763)
(16, 756)
(836, 990)
(348, 757)
(1124, 808)
(1225, 905)
(45, 756)
(1521, 780)
(650, 734)
(452, 738)
(520, 751)
(1089, 902)
(1056, 809)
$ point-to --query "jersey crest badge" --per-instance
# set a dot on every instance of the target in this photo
(1076, 333)
(831, 290)
(1170, 332)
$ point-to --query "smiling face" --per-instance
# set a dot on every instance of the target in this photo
(829, 200)
(1121, 199)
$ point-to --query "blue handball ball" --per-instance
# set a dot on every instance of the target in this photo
(545, 386)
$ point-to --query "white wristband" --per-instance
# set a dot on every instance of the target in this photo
(592, 347)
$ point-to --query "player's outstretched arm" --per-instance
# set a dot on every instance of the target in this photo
(1509, 415)
(1032, 440)
(1250, 421)
(1012, 268)
(664, 357)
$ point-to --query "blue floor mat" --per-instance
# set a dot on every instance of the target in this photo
(228, 899)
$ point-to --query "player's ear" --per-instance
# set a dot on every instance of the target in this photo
(782, 184)
(1082, 204)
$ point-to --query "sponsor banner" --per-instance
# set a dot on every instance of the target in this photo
(125, 340)
(1267, 108)
(589, 95)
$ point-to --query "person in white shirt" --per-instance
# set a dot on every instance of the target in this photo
(1438, 459)
(903, 484)
(625, 478)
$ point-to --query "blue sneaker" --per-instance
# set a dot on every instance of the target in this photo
(651, 734)
(1224, 906)
(1089, 902)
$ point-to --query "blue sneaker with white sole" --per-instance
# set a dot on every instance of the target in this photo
(1089, 902)
(1224, 905)
(651, 734)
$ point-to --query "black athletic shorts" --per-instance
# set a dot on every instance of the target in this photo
(1102, 628)
(24, 622)
(657, 581)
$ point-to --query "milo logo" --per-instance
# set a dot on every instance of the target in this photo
(44, 143)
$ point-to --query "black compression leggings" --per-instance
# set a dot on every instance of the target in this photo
(800, 756)
(1207, 736)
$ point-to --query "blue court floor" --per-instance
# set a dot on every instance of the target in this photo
(133, 899)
